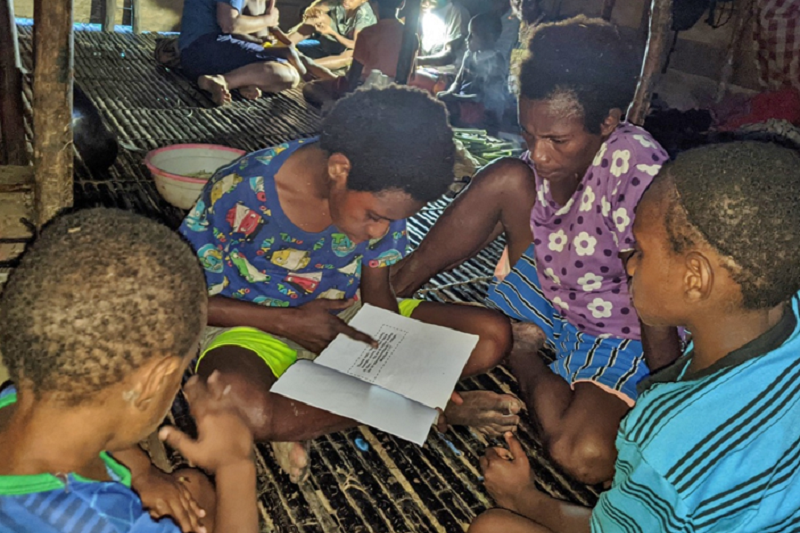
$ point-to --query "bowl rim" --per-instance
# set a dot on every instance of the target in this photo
(156, 170)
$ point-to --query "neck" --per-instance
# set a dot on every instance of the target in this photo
(563, 190)
(308, 171)
(715, 337)
(40, 437)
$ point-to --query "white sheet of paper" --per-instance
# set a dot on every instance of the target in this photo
(420, 361)
(347, 396)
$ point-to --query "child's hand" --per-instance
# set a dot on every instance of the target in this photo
(223, 438)
(507, 473)
(163, 495)
(313, 325)
(323, 25)
(313, 12)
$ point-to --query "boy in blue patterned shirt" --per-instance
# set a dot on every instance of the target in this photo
(713, 443)
(97, 333)
(292, 235)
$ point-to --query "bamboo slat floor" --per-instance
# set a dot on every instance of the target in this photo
(362, 480)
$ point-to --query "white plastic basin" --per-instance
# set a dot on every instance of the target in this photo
(175, 169)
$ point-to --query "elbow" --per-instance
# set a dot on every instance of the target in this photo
(228, 25)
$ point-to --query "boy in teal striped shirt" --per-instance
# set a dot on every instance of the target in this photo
(713, 443)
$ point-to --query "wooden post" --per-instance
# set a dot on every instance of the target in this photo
(608, 8)
(742, 16)
(136, 16)
(405, 63)
(52, 107)
(109, 14)
(12, 117)
(657, 45)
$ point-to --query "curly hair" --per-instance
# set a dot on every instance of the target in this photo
(100, 292)
(740, 198)
(585, 57)
(396, 138)
(487, 25)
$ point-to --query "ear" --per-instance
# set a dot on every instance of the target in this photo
(339, 169)
(154, 378)
(699, 278)
(611, 122)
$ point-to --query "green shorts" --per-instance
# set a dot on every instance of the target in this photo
(277, 352)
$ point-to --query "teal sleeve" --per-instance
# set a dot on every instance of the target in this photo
(640, 500)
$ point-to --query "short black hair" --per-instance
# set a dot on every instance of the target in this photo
(584, 56)
(487, 25)
(741, 199)
(388, 8)
(396, 138)
(99, 292)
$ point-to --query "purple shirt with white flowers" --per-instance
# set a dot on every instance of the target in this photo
(578, 245)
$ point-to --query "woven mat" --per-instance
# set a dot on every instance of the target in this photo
(381, 484)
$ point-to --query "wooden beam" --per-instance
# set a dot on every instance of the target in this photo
(52, 107)
(657, 45)
(109, 14)
(405, 63)
(136, 16)
(12, 117)
(17, 178)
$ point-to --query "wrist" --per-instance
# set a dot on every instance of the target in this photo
(280, 321)
(236, 470)
(524, 497)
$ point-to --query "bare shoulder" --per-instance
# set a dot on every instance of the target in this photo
(508, 172)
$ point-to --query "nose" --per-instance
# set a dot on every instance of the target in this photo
(630, 267)
(539, 152)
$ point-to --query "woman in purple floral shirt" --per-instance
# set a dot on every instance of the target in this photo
(566, 209)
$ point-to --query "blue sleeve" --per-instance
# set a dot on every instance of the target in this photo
(145, 524)
(206, 227)
(238, 5)
(389, 249)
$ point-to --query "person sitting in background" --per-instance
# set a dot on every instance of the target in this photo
(213, 54)
(377, 48)
(712, 443)
(334, 25)
(443, 30)
(478, 95)
(100, 321)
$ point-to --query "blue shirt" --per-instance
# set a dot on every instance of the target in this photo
(44, 503)
(200, 17)
(715, 451)
(251, 250)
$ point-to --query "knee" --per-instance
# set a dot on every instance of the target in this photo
(495, 331)
(586, 455)
(250, 398)
(279, 77)
(490, 521)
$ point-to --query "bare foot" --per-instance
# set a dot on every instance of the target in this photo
(490, 413)
(292, 457)
(528, 338)
(250, 92)
(217, 86)
(315, 71)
